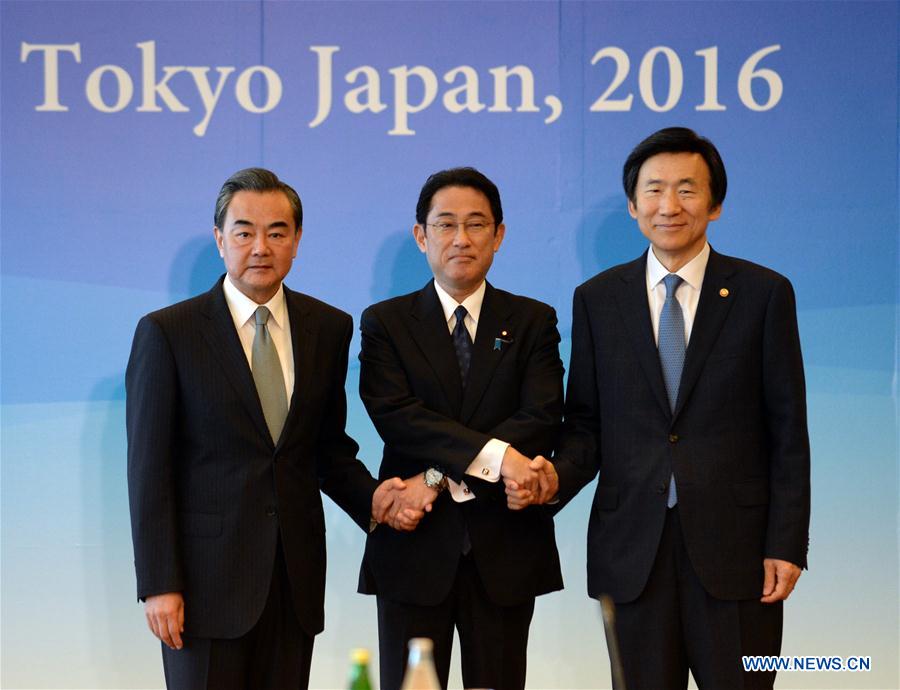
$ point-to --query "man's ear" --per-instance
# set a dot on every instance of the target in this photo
(297, 236)
(419, 234)
(499, 234)
(220, 238)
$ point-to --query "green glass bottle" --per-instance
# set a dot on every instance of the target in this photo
(359, 670)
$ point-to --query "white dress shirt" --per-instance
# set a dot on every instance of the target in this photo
(486, 464)
(243, 311)
(687, 294)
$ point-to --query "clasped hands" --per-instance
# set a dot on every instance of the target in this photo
(401, 504)
(528, 482)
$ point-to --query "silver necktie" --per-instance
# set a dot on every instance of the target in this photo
(268, 376)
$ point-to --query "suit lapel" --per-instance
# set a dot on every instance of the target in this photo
(429, 330)
(494, 319)
(631, 296)
(711, 312)
(304, 334)
(219, 332)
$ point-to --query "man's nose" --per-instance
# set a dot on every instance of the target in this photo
(461, 238)
(669, 204)
(261, 245)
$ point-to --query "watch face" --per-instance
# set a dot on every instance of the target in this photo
(433, 477)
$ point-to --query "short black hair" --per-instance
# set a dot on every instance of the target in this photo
(458, 177)
(677, 140)
(255, 180)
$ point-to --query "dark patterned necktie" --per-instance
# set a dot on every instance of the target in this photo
(462, 342)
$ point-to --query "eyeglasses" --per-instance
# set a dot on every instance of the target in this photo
(444, 228)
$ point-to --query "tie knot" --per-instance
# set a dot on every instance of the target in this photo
(672, 282)
(262, 315)
(460, 313)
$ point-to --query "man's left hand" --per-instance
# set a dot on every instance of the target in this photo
(548, 479)
(518, 497)
(387, 506)
(517, 468)
(780, 578)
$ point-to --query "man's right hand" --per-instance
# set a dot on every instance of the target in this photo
(412, 503)
(165, 617)
(395, 504)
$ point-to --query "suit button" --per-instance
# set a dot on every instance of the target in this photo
(661, 488)
(270, 511)
(673, 438)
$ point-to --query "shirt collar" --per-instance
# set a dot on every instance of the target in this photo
(243, 308)
(472, 303)
(692, 272)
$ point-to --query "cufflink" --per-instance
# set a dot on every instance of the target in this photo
(485, 471)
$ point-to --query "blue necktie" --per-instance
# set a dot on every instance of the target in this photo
(671, 352)
(462, 342)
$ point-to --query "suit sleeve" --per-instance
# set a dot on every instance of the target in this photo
(342, 476)
(578, 452)
(151, 411)
(532, 429)
(402, 420)
(787, 536)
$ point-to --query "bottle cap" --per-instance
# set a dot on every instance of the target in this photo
(360, 656)
(423, 644)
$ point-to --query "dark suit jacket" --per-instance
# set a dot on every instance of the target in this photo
(209, 492)
(737, 441)
(410, 384)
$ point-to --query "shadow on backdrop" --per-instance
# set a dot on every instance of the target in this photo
(109, 581)
(608, 236)
(195, 268)
(399, 267)
(109, 585)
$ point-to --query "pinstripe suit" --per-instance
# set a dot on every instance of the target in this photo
(210, 494)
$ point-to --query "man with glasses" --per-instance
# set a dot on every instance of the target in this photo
(464, 384)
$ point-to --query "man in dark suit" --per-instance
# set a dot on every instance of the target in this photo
(235, 417)
(460, 380)
(686, 393)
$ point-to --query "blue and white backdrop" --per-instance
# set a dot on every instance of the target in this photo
(120, 120)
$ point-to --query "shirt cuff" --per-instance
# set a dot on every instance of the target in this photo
(486, 465)
(459, 492)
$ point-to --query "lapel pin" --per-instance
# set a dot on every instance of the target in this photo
(503, 339)
(723, 292)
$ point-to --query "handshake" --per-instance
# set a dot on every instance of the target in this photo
(403, 503)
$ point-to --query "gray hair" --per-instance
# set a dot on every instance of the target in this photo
(255, 180)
